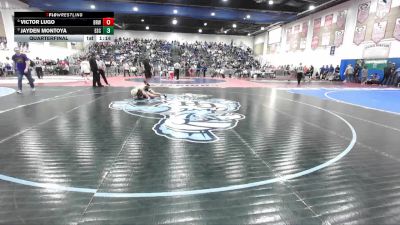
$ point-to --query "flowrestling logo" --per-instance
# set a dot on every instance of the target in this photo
(186, 117)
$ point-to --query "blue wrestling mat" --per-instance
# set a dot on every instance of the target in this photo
(382, 100)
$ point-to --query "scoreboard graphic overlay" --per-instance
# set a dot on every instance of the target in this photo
(63, 26)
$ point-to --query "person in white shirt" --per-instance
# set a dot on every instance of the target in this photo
(8, 66)
(38, 68)
(126, 68)
(177, 67)
(349, 72)
(102, 68)
(85, 69)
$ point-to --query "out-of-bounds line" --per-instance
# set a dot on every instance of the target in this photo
(199, 191)
(249, 185)
(348, 103)
(5, 91)
(345, 114)
(275, 173)
(368, 121)
(37, 102)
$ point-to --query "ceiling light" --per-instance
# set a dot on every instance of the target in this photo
(142, 20)
(270, 2)
(234, 25)
(174, 21)
(92, 6)
(175, 11)
(262, 28)
(200, 30)
(205, 24)
(225, 31)
(312, 7)
(147, 27)
(248, 16)
(224, 0)
(135, 9)
(248, 34)
(213, 14)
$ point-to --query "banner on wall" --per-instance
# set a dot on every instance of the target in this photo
(317, 25)
(297, 29)
(316, 30)
(326, 37)
(328, 20)
(363, 12)
(3, 38)
(359, 35)
(315, 42)
(339, 38)
(341, 19)
(288, 35)
(396, 32)
(273, 48)
(378, 32)
(304, 30)
(381, 24)
(376, 51)
(331, 33)
(383, 8)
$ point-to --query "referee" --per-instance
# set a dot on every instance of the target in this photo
(299, 71)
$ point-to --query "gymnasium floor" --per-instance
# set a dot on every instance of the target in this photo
(205, 155)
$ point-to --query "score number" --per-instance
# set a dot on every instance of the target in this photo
(107, 22)
(108, 26)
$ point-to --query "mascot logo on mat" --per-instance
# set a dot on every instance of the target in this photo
(188, 117)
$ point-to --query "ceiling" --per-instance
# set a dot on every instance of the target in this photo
(248, 15)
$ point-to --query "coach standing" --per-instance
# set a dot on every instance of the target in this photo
(102, 68)
(95, 70)
(21, 66)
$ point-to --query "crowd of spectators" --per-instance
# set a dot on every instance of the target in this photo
(40, 67)
(359, 74)
(194, 59)
(199, 59)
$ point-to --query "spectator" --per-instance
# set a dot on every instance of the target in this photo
(386, 74)
(357, 69)
(85, 69)
(349, 73)
(364, 75)
(397, 80)
(311, 72)
(126, 68)
(374, 79)
(392, 74)
(177, 67)
(8, 66)
(21, 65)
(39, 68)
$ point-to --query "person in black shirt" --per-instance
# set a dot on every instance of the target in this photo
(357, 70)
(147, 70)
(95, 71)
(311, 72)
